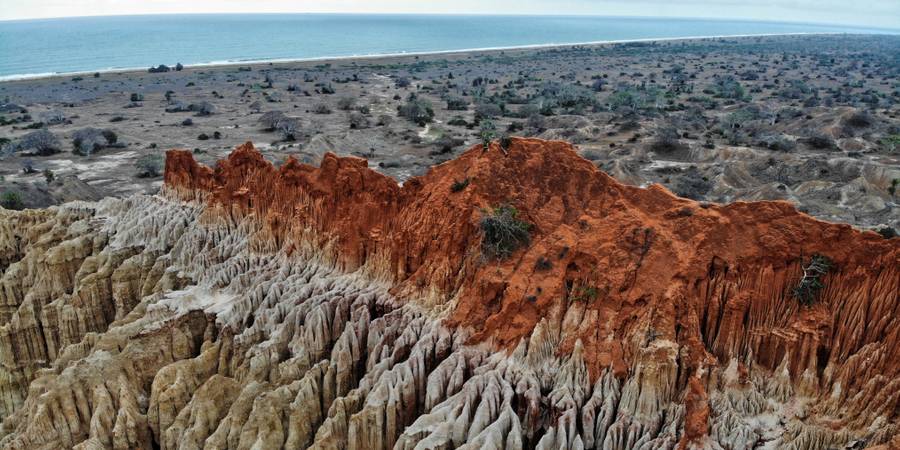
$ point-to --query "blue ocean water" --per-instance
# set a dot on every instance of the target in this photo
(46, 46)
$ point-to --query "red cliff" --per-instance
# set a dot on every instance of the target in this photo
(637, 264)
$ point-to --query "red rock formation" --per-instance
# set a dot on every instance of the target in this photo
(716, 279)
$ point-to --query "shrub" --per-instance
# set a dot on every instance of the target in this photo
(487, 111)
(459, 185)
(503, 232)
(729, 87)
(179, 67)
(487, 131)
(384, 120)
(666, 141)
(820, 141)
(89, 140)
(346, 103)
(203, 108)
(321, 108)
(289, 128)
(860, 119)
(12, 200)
(270, 119)
(402, 82)
(807, 289)
(457, 104)
(505, 142)
(149, 166)
(159, 69)
(178, 106)
(583, 293)
(457, 121)
(891, 143)
(417, 110)
(358, 121)
(777, 142)
(42, 142)
(53, 117)
(49, 175)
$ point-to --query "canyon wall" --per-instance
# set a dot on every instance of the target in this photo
(255, 306)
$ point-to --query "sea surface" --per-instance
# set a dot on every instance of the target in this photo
(52, 46)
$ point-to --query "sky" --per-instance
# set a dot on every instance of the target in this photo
(864, 13)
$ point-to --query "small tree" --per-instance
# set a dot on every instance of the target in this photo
(807, 289)
(503, 232)
(417, 110)
(149, 166)
(42, 142)
(89, 140)
(487, 131)
(270, 119)
(289, 128)
(49, 176)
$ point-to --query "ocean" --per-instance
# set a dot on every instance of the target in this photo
(31, 48)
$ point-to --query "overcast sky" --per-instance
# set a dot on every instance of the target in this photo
(872, 13)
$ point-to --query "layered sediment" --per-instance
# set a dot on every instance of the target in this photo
(255, 306)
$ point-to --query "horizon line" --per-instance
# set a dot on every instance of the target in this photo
(338, 13)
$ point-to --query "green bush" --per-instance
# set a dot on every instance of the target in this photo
(12, 200)
(503, 232)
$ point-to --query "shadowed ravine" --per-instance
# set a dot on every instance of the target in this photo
(254, 306)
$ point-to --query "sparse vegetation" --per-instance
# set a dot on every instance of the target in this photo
(503, 232)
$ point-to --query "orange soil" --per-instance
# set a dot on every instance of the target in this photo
(626, 263)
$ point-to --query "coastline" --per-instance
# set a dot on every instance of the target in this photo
(387, 56)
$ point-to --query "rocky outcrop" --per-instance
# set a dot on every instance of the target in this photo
(253, 306)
